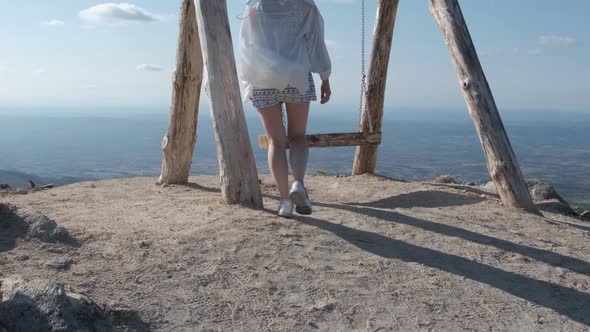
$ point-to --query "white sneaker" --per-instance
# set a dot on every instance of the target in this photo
(285, 208)
(300, 198)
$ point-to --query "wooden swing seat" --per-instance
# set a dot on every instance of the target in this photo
(333, 140)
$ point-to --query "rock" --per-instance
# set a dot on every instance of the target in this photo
(4, 187)
(585, 216)
(543, 195)
(44, 305)
(22, 258)
(555, 206)
(541, 191)
(46, 229)
(61, 263)
(547, 199)
(17, 224)
(446, 179)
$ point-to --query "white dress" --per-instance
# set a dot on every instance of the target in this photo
(281, 42)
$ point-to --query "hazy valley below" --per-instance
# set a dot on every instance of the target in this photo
(63, 150)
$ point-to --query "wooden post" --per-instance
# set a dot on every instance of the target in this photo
(501, 161)
(365, 158)
(179, 142)
(239, 178)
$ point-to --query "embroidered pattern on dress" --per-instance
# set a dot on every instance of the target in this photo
(262, 98)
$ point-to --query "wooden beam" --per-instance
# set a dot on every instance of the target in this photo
(333, 140)
(239, 178)
(500, 157)
(365, 158)
(179, 142)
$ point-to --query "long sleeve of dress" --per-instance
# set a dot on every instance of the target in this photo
(318, 52)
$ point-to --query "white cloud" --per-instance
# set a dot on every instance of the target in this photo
(543, 42)
(515, 51)
(148, 67)
(53, 23)
(117, 14)
(556, 41)
(39, 71)
(526, 51)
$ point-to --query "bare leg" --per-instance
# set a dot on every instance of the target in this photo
(272, 119)
(299, 152)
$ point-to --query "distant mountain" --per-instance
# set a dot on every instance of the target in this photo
(17, 179)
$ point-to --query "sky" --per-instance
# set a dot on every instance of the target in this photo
(91, 56)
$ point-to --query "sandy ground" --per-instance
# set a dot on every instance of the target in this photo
(376, 255)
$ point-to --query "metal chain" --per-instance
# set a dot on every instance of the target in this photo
(284, 115)
(363, 72)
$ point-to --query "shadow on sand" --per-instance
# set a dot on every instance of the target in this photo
(542, 255)
(422, 199)
(197, 186)
(564, 300)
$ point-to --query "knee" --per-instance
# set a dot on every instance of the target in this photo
(279, 144)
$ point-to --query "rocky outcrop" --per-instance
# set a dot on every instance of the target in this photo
(44, 305)
(555, 206)
(545, 197)
(33, 225)
(542, 191)
(45, 229)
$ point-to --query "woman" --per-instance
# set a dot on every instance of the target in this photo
(282, 43)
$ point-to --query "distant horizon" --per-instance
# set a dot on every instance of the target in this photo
(318, 111)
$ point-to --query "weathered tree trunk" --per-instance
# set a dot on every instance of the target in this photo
(365, 159)
(501, 161)
(239, 178)
(179, 143)
(332, 140)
